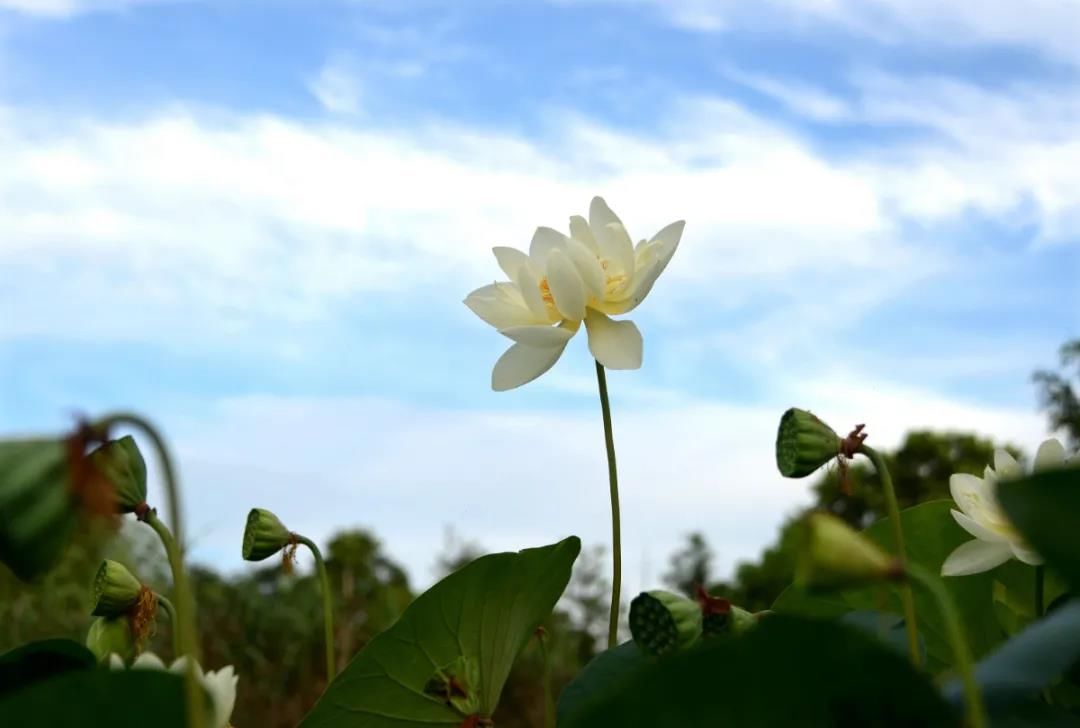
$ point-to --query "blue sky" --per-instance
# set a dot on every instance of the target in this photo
(256, 221)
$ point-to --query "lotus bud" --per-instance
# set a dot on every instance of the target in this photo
(122, 464)
(457, 685)
(115, 591)
(264, 535)
(108, 635)
(44, 484)
(661, 621)
(804, 443)
(833, 555)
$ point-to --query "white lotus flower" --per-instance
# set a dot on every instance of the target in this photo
(565, 280)
(220, 684)
(996, 540)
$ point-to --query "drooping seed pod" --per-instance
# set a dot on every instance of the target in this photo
(115, 590)
(264, 535)
(661, 621)
(122, 464)
(832, 555)
(804, 443)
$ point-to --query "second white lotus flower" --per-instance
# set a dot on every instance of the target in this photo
(996, 540)
(220, 684)
(566, 280)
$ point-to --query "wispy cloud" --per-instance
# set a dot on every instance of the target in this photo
(337, 90)
(70, 8)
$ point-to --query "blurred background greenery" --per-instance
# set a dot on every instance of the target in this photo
(268, 623)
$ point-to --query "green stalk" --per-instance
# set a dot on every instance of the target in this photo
(170, 612)
(976, 711)
(907, 598)
(549, 701)
(616, 531)
(1040, 585)
(328, 610)
(184, 626)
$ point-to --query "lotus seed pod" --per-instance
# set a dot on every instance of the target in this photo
(661, 621)
(804, 443)
(833, 555)
(39, 504)
(116, 590)
(122, 464)
(111, 634)
(264, 535)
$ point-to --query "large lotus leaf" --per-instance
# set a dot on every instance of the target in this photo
(1030, 661)
(40, 660)
(931, 535)
(99, 699)
(787, 671)
(450, 653)
(37, 508)
(607, 668)
(1046, 509)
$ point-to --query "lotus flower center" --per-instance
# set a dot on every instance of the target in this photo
(613, 282)
(545, 292)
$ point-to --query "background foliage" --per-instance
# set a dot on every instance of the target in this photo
(268, 623)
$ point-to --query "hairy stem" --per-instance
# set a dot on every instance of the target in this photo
(328, 609)
(616, 531)
(184, 626)
(1040, 586)
(170, 612)
(976, 711)
(907, 598)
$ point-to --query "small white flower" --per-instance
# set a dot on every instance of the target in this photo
(220, 684)
(996, 540)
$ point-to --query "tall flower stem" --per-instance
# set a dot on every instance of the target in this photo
(907, 598)
(1040, 585)
(170, 612)
(185, 615)
(976, 711)
(616, 530)
(328, 610)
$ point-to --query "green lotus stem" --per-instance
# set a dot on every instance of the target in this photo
(184, 627)
(907, 598)
(1040, 585)
(170, 612)
(549, 700)
(616, 533)
(328, 610)
(976, 711)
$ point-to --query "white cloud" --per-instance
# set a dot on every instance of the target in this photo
(228, 219)
(803, 99)
(69, 8)
(511, 480)
(337, 90)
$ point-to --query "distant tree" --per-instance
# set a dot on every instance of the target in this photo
(691, 566)
(456, 552)
(1057, 395)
